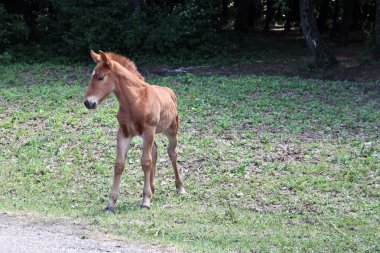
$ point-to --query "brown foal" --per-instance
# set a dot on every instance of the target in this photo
(144, 110)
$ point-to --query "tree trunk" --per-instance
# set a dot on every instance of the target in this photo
(317, 46)
(377, 31)
(346, 20)
(356, 16)
(335, 28)
(268, 15)
(30, 17)
(323, 14)
(287, 25)
(295, 11)
(242, 16)
(224, 12)
(252, 13)
(291, 14)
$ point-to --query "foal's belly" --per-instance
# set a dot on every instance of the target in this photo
(162, 126)
(132, 128)
(166, 119)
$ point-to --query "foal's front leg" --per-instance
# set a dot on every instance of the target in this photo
(147, 166)
(123, 143)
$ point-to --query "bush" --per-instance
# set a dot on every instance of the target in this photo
(115, 26)
(72, 28)
(188, 26)
(12, 29)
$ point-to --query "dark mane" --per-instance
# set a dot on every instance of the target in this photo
(126, 63)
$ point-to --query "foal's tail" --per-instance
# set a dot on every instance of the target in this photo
(171, 93)
(177, 123)
(173, 97)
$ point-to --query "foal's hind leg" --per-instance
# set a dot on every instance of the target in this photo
(123, 143)
(172, 151)
(154, 162)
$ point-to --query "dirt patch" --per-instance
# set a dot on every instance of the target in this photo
(20, 233)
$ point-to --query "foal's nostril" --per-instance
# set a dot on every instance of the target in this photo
(89, 104)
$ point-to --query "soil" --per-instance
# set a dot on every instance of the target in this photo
(26, 233)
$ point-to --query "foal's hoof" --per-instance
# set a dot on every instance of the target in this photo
(181, 191)
(108, 210)
(144, 207)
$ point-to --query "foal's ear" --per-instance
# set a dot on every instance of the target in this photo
(95, 56)
(105, 58)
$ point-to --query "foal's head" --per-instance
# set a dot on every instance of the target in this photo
(102, 81)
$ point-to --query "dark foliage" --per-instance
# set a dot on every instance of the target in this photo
(33, 29)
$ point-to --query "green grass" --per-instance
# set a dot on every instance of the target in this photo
(270, 163)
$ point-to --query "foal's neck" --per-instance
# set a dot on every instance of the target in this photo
(129, 88)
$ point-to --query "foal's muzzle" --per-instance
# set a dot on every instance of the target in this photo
(90, 104)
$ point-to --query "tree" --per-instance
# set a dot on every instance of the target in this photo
(377, 30)
(317, 46)
(335, 20)
(323, 14)
(292, 14)
(224, 12)
(268, 15)
(346, 20)
(242, 16)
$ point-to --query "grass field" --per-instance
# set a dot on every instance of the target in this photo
(270, 163)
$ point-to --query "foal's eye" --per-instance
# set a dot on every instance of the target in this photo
(100, 78)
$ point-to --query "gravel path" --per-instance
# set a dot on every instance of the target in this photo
(28, 234)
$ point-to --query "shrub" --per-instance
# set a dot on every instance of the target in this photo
(115, 26)
(12, 29)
